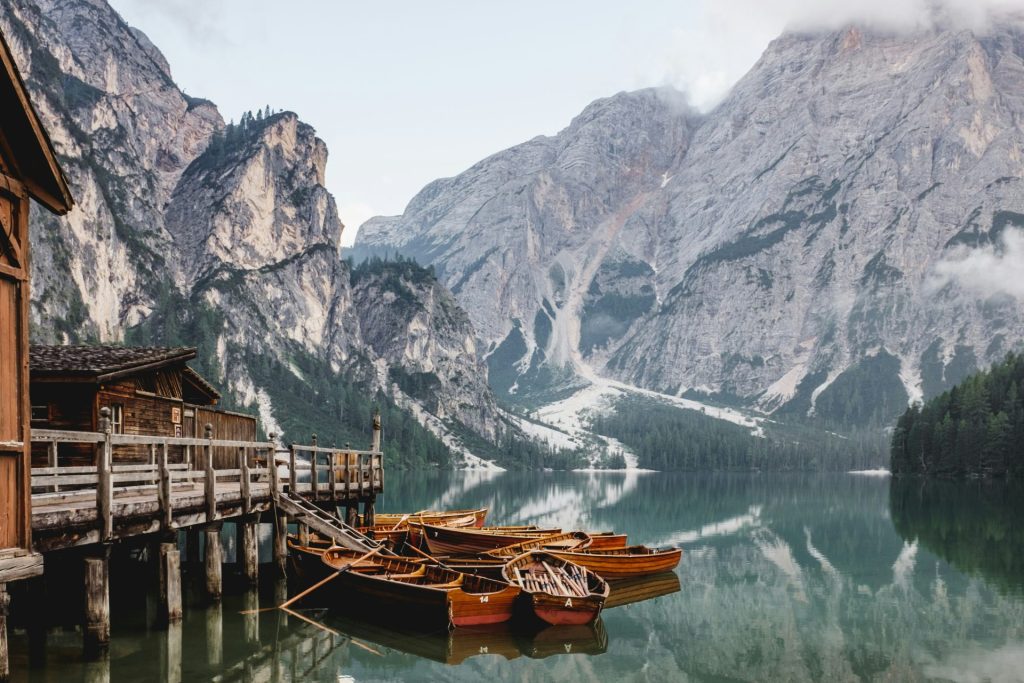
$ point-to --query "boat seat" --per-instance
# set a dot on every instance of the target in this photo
(411, 575)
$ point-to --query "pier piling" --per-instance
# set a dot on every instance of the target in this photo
(170, 583)
(281, 543)
(248, 550)
(214, 559)
(97, 602)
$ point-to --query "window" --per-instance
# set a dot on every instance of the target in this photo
(116, 418)
(40, 413)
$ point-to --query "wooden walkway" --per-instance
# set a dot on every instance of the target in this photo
(180, 487)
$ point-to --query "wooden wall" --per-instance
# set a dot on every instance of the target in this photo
(226, 425)
(15, 501)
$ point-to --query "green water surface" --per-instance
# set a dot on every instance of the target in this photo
(783, 577)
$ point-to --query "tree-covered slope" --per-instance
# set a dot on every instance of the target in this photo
(974, 429)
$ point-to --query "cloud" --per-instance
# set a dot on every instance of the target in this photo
(707, 57)
(197, 22)
(985, 271)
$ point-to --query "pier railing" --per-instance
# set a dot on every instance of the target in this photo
(172, 482)
(177, 467)
(334, 474)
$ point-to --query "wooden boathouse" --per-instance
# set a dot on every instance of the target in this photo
(28, 169)
(149, 390)
(101, 446)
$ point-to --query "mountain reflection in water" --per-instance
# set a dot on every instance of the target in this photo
(783, 577)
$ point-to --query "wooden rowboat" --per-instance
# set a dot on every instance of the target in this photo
(604, 540)
(430, 516)
(559, 592)
(623, 563)
(574, 540)
(452, 541)
(415, 590)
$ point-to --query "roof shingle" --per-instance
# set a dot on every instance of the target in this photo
(99, 361)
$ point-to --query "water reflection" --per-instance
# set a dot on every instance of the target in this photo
(975, 525)
(782, 578)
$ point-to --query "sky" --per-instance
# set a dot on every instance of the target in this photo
(404, 92)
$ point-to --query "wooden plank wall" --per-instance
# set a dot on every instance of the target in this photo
(228, 426)
(14, 421)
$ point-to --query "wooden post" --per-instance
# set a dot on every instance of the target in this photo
(244, 477)
(275, 476)
(53, 460)
(281, 542)
(214, 559)
(291, 470)
(369, 513)
(303, 534)
(170, 583)
(164, 490)
(352, 512)
(5, 662)
(378, 433)
(211, 477)
(104, 486)
(313, 473)
(248, 550)
(333, 482)
(97, 602)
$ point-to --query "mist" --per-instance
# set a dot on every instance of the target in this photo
(985, 271)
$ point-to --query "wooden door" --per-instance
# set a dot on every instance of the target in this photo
(14, 418)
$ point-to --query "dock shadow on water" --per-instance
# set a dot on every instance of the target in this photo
(797, 578)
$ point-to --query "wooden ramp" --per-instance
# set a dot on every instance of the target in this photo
(325, 524)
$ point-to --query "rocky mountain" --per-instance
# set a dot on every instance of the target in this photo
(784, 251)
(188, 230)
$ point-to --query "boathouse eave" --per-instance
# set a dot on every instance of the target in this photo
(26, 143)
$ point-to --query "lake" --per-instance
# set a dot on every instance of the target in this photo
(783, 577)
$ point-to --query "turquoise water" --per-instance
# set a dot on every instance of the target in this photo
(790, 578)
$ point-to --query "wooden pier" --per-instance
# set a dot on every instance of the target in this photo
(189, 486)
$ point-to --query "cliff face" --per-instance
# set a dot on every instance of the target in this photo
(222, 236)
(785, 250)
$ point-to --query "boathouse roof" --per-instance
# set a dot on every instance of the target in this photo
(31, 154)
(99, 364)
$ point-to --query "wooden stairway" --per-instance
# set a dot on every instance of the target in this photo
(326, 524)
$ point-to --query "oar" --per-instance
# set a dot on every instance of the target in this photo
(404, 517)
(436, 561)
(332, 576)
(318, 584)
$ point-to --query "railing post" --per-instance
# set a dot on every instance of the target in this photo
(53, 461)
(104, 485)
(333, 455)
(292, 488)
(211, 477)
(243, 480)
(348, 470)
(275, 476)
(313, 473)
(164, 490)
(377, 432)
